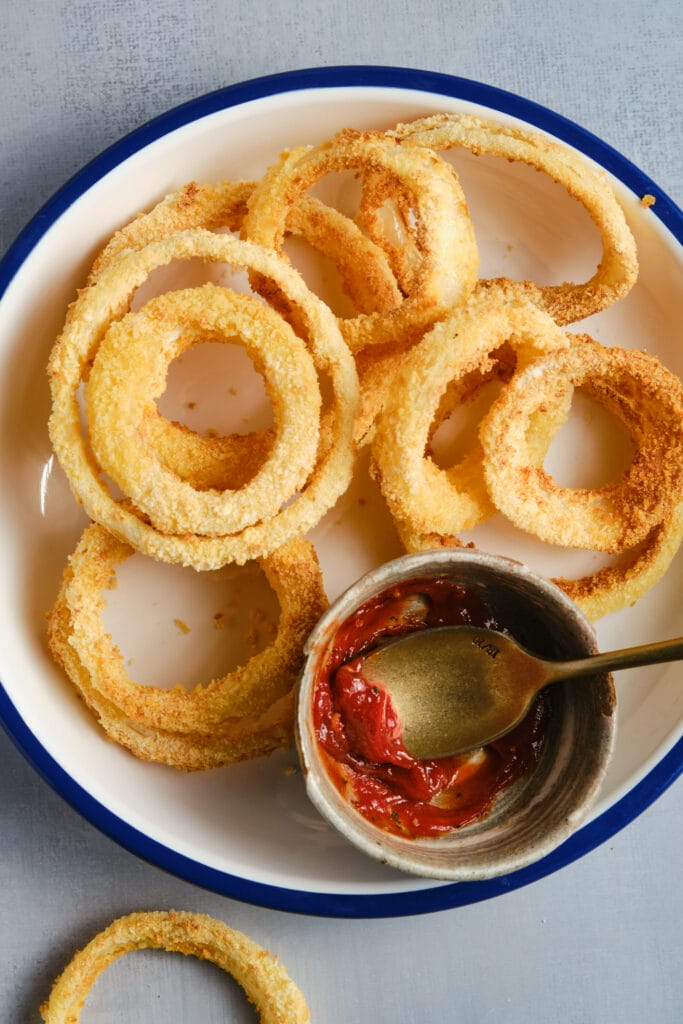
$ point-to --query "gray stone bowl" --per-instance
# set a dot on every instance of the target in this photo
(536, 813)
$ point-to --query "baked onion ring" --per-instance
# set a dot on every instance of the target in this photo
(365, 274)
(293, 573)
(129, 373)
(423, 498)
(238, 740)
(266, 983)
(443, 230)
(212, 207)
(649, 401)
(219, 462)
(109, 299)
(567, 302)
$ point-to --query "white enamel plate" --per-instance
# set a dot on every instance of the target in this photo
(247, 831)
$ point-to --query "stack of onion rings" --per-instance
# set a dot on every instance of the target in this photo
(363, 269)
(425, 337)
(247, 713)
(105, 302)
(265, 981)
(639, 518)
(257, 716)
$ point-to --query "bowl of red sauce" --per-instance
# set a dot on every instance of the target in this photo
(471, 816)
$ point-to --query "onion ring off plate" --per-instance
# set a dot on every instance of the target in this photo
(243, 714)
(443, 230)
(423, 498)
(568, 302)
(648, 399)
(108, 300)
(266, 983)
(129, 373)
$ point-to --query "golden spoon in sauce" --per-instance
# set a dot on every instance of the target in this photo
(456, 688)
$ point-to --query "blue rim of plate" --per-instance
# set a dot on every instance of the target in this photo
(419, 901)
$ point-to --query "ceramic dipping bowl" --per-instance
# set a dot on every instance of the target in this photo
(538, 811)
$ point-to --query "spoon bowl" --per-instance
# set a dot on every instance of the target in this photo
(456, 688)
(538, 812)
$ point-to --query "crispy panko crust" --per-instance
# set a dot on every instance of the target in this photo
(648, 399)
(265, 981)
(363, 270)
(243, 714)
(129, 374)
(619, 586)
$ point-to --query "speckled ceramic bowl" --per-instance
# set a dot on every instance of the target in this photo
(536, 813)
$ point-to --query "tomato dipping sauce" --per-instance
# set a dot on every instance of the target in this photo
(360, 735)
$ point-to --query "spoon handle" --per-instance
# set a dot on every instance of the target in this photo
(631, 657)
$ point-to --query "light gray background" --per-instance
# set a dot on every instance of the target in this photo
(601, 941)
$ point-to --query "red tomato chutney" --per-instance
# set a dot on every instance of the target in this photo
(360, 735)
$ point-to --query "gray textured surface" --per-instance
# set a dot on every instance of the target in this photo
(599, 941)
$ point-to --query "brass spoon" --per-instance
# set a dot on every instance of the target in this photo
(456, 688)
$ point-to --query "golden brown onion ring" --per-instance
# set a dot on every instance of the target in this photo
(128, 375)
(649, 401)
(567, 302)
(422, 497)
(443, 230)
(362, 265)
(235, 740)
(266, 983)
(109, 299)
(364, 270)
(213, 207)
(250, 690)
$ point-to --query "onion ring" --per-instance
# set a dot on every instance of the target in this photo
(422, 497)
(444, 235)
(109, 299)
(266, 983)
(213, 207)
(647, 398)
(294, 574)
(611, 587)
(568, 302)
(239, 740)
(129, 374)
